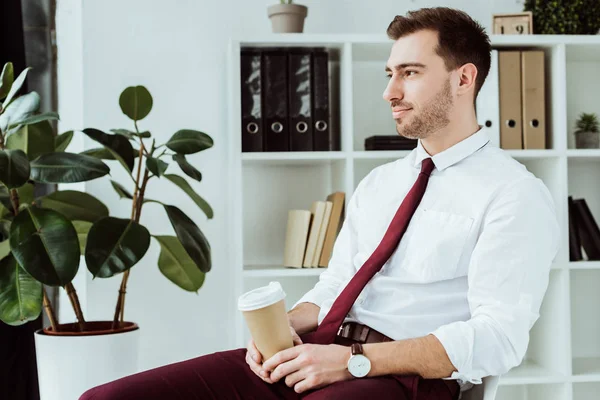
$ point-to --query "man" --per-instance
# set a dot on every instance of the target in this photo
(442, 300)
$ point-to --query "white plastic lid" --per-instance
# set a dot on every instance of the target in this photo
(261, 297)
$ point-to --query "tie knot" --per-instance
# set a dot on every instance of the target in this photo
(427, 166)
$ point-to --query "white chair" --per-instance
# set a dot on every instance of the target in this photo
(485, 391)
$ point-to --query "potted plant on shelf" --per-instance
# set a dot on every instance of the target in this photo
(586, 134)
(287, 17)
(42, 239)
(575, 17)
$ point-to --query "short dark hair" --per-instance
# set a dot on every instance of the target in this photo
(461, 39)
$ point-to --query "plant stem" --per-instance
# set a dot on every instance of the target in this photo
(120, 308)
(14, 200)
(50, 311)
(76, 306)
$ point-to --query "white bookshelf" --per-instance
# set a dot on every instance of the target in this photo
(563, 357)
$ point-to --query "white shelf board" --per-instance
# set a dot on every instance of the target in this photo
(532, 154)
(584, 265)
(586, 369)
(277, 271)
(530, 372)
(379, 154)
(292, 158)
(584, 154)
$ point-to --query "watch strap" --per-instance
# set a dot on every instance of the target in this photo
(356, 348)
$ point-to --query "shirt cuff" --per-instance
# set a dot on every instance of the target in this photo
(457, 339)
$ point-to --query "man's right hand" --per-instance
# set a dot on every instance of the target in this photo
(255, 361)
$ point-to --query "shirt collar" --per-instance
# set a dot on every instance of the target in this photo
(454, 154)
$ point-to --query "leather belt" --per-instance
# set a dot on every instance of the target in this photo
(361, 333)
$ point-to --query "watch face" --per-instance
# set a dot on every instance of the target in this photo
(359, 365)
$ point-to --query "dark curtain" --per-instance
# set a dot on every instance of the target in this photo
(18, 370)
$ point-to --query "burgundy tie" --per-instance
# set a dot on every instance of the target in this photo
(327, 330)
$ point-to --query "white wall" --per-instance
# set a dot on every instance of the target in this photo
(177, 49)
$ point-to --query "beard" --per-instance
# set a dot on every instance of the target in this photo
(432, 117)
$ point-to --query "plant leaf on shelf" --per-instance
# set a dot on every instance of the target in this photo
(175, 264)
(67, 168)
(118, 145)
(45, 244)
(185, 186)
(20, 294)
(114, 245)
(188, 141)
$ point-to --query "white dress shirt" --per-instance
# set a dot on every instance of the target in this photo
(472, 267)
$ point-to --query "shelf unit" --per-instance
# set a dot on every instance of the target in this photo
(563, 357)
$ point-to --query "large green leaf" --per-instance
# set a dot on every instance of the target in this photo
(191, 237)
(62, 141)
(17, 84)
(34, 140)
(156, 166)
(136, 102)
(74, 205)
(6, 79)
(187, 168)
(114, 245)
(103, 153)
(185, 186)
(67, 168)
(34, 119)
(117, 145)
(14, 168)
(22, 107)
(175, 263)
(121, 191)
(82, 228)
(187, 141)
(20, 294)
(130, 134)
(4, 249)
(45, 244)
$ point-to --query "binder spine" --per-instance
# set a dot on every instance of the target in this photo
(300, 100)
(275, 102)
(251, 98)
(323, 139)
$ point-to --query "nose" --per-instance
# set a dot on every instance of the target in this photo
(393, 91)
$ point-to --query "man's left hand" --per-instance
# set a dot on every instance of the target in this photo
(310, 366)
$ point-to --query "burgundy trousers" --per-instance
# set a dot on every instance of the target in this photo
(225, 375)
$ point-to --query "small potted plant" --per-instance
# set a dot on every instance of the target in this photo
(573, 17)
(587, 133)
(287, 17)
(42, 240)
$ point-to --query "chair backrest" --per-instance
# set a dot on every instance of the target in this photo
(486, 391)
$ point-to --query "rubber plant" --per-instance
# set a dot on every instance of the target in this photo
(42, 239)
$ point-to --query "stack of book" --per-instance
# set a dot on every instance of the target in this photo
(584, 235)
(390, 142)
(311, 234)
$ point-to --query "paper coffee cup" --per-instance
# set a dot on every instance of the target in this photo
(264, 311)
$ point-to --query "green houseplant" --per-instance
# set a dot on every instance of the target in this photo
(42, 239)
(45, 237)
(571, 17)
(587, 131)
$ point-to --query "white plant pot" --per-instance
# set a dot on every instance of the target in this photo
(69, 365)
(286, 18)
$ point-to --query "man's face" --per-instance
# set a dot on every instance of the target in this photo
(419, 91)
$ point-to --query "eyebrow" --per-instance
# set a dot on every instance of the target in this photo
(405, 65)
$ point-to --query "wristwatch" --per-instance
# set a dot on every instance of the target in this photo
(358, 364)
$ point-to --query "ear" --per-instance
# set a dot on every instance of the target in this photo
(467, 74)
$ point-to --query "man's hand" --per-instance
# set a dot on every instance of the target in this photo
(254, 358)
(309, 366)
